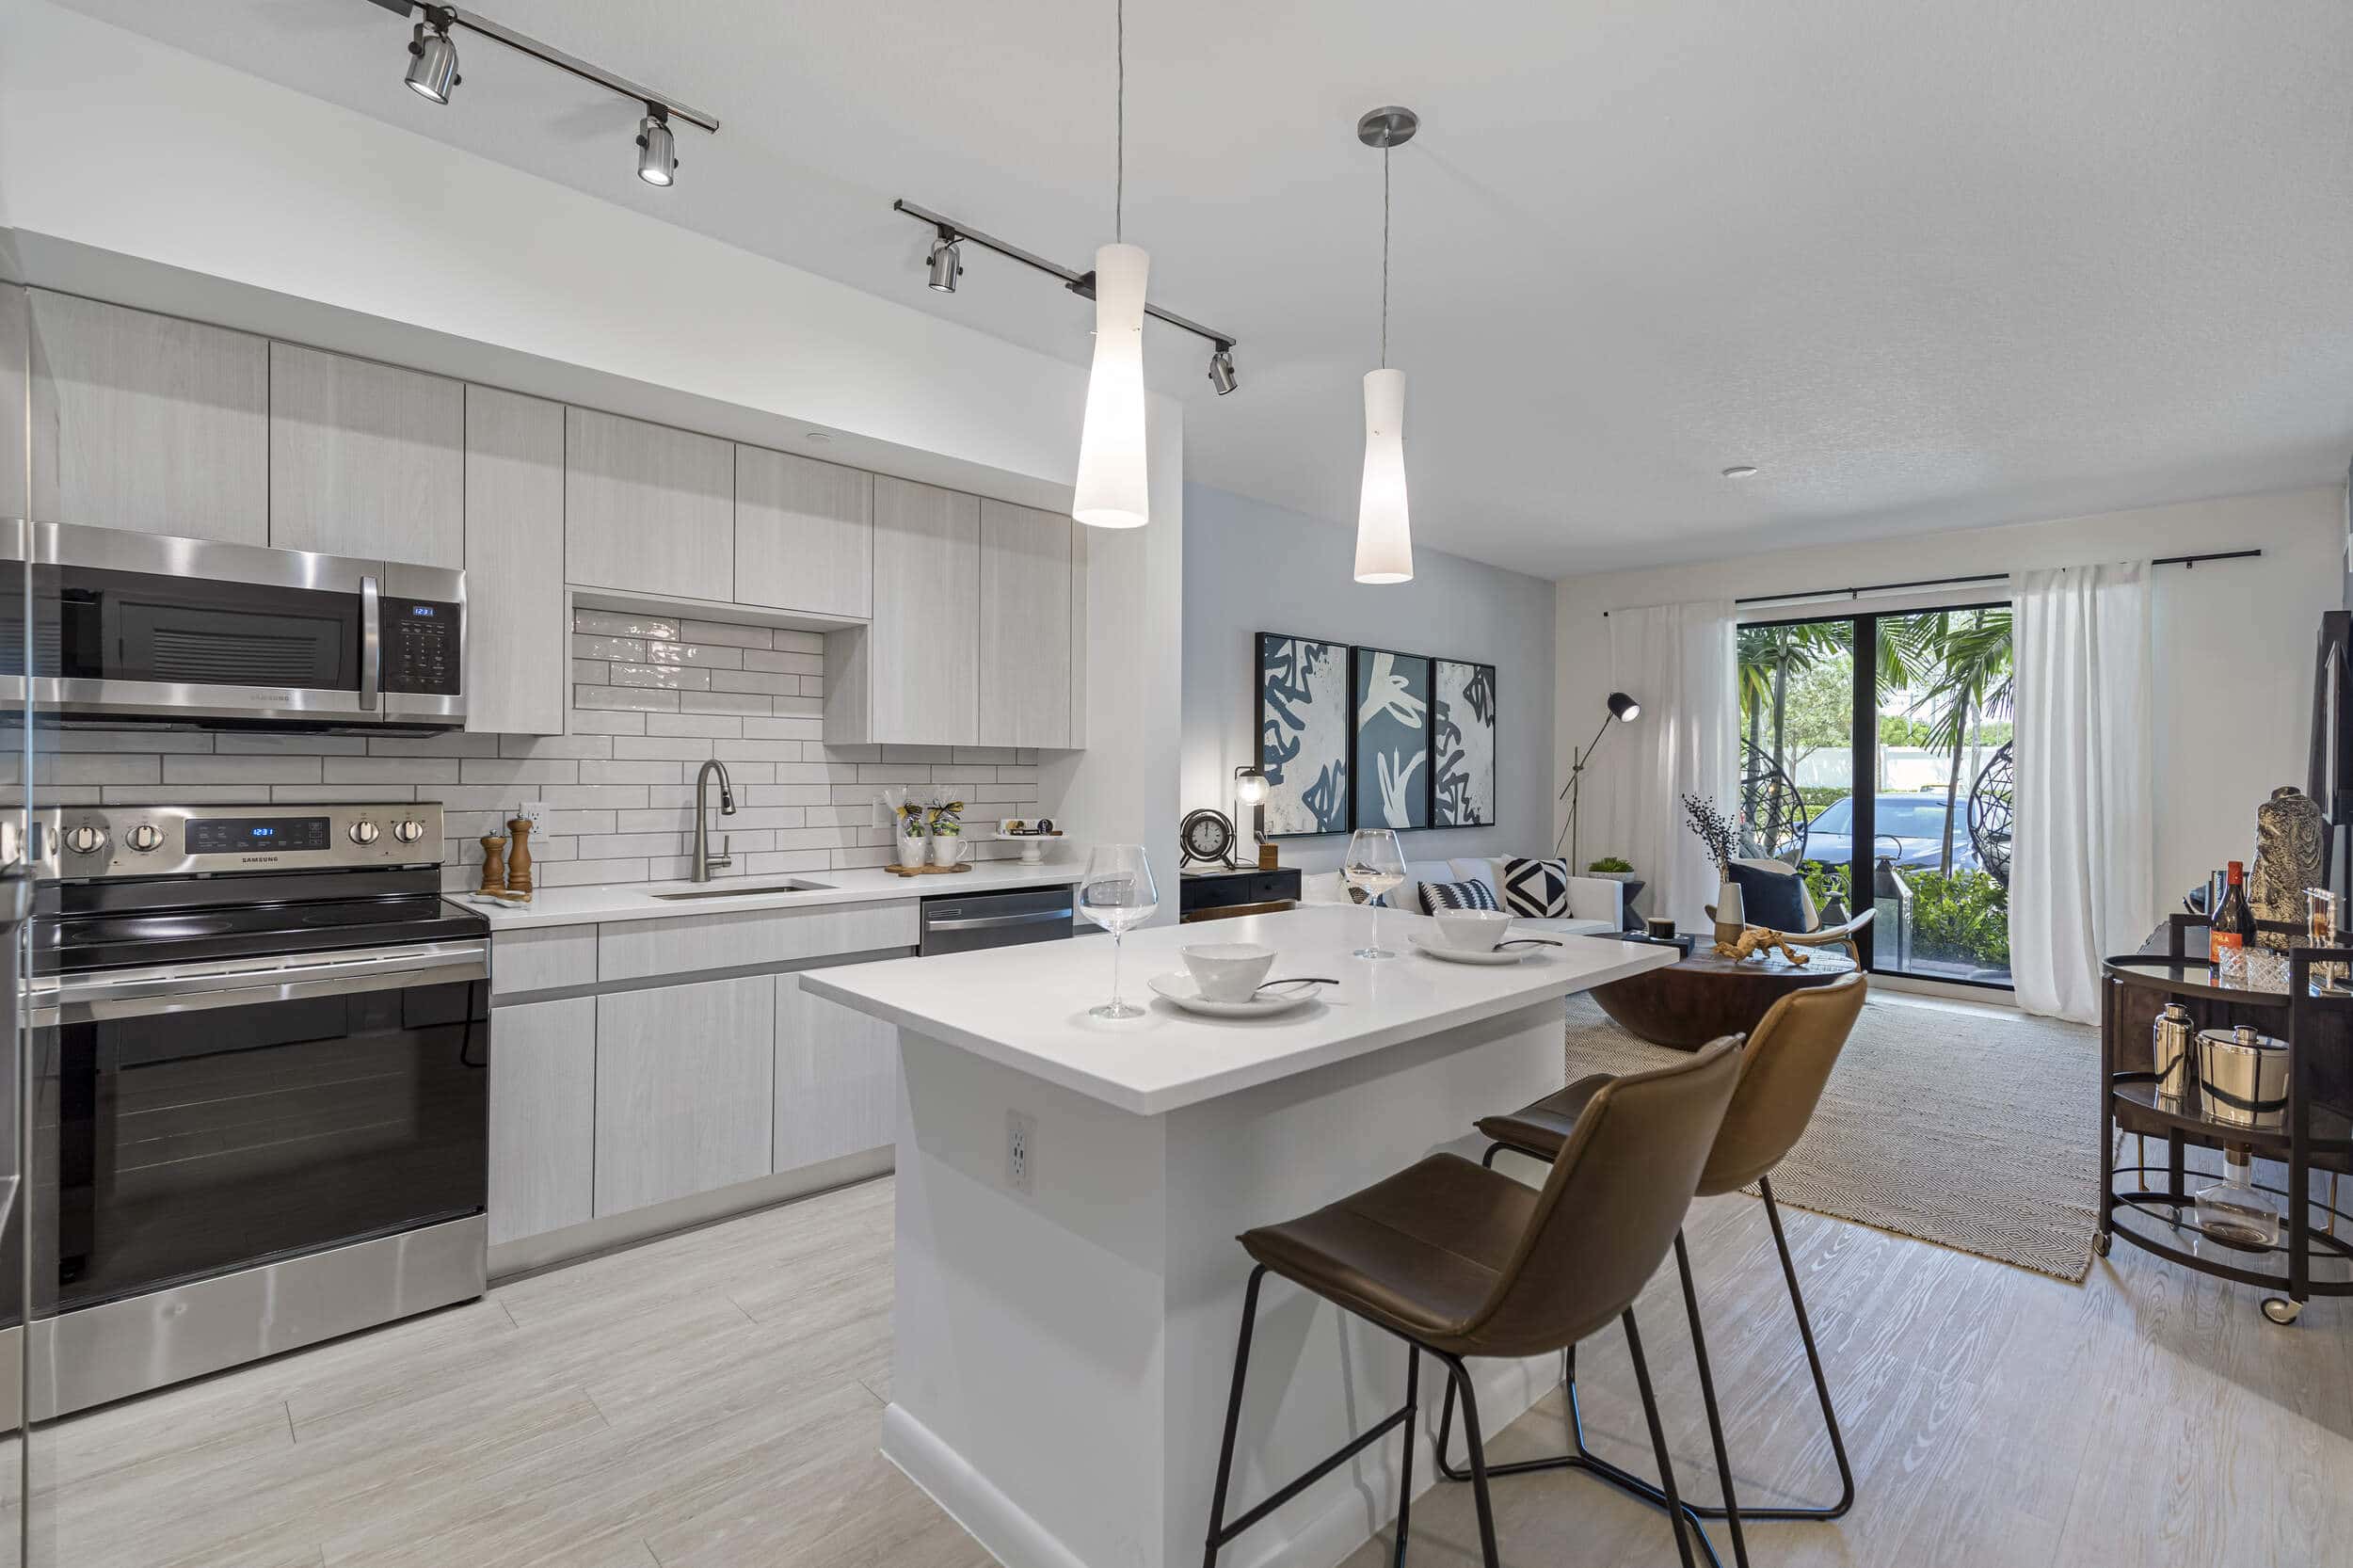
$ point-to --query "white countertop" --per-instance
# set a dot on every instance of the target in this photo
(1026, 1007)
(639, 900)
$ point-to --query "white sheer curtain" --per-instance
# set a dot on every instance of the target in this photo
(2083, 842)
(1678, 662)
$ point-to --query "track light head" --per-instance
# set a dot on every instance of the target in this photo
(432, 58)
(945, 263)
(1221, 371)
(657, 153)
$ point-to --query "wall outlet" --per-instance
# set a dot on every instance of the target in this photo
(535, 812)
(1021, 1152)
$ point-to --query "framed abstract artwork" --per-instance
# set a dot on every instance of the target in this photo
(1462, 744)
(1304, 733)
(1391, 753)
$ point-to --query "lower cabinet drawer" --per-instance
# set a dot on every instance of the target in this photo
(684, 1090)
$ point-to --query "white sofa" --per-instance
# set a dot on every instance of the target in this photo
(1596, 903)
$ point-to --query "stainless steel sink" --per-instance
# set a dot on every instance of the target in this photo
(741, 890)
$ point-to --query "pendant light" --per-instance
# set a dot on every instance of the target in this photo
(1112, 490)
(1384, 535)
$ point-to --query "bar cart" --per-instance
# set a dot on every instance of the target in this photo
(2278, 995)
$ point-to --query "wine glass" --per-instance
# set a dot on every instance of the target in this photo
(1115, 893)
(1376, 863)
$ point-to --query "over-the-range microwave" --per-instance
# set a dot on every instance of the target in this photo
(147, 629)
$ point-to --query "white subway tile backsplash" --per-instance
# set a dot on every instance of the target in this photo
(618, 785)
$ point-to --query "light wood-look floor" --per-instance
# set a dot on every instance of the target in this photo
(713, 1399)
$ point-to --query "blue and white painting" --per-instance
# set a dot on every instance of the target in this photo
(1392, 751)
(1303, 734)
(1462, 779)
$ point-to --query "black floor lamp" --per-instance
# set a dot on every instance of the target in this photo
(1623, 710)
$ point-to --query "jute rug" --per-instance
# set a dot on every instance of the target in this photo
(1977, 1132)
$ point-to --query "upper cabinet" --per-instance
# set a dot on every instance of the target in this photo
(365, 459)
(517, 638)
(648, 508)
(1025, 608)
(144, 422)
(804, 534)
(15, 395)
(911, 676)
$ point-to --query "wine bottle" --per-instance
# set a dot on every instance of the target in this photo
(2232, 923)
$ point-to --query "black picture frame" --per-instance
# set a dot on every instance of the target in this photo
(1495, 759)
(1341, 657)
(1420, 796)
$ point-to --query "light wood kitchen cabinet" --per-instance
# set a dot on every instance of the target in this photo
(685, 1090)
(1025, 579)
(144, 422)
(543, 1098)
(837, 1078)
(517, 641)
(804, 534)
(648, 508)
(911, 676)
(366, 458)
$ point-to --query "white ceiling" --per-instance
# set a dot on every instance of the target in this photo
(1928, 266)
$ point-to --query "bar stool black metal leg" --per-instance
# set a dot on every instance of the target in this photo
(1405, 1462)
(1233, 1421)
(1822, 1384)
(1461, 1378)
(1707, 1397)
(1657, 1438)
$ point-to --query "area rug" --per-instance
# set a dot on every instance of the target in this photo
(1974, 1129)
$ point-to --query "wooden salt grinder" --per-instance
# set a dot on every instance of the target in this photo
(493, 864)
(519, 858)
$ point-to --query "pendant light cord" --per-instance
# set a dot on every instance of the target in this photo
(1385, 258)
(1119, 188)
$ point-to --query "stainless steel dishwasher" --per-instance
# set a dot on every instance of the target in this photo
(1024, 915)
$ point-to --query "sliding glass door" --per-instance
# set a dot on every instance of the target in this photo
(1876, 759)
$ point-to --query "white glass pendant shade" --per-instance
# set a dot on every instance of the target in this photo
(1385, 537)
(1112, 491)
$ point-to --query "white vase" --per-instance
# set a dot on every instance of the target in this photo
(1731, 913)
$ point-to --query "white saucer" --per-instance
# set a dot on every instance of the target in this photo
(1437, 948)
(1181, 989)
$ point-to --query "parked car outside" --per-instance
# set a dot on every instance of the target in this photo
(1909, 827)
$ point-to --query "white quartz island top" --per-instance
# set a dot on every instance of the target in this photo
(1026, 1007)
(642, 901)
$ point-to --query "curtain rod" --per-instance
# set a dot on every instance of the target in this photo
(1975, 577)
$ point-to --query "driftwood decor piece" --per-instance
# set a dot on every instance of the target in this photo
(1755, 939)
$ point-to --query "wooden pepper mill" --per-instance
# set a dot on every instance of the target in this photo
(493, 864)
(518, 857)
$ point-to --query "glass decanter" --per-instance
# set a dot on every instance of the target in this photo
(2231, 1212)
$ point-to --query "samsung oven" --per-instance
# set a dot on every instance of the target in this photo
(142, 628)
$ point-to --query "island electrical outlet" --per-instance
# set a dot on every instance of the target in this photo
(1020, 1151)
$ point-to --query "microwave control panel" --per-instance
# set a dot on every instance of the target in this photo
(423, 646)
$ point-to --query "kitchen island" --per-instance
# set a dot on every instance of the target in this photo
(1065, 1309)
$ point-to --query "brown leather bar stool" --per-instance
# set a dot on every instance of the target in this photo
(1458, 1260)
(1787, 1062)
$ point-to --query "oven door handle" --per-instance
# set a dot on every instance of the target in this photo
(142, 993)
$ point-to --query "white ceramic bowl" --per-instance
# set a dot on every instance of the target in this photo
(1227, 971)
(1472, 929)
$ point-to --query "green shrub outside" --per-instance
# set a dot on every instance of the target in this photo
(1961, 918)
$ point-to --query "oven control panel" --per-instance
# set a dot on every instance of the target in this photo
(94, 842)
(423, 646)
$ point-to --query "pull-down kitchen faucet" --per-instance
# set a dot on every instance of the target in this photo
(705, 862)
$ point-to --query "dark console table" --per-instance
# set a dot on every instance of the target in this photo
(1216, 894)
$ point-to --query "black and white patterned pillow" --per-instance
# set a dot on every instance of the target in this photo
(1473, 894)
(1536, 888)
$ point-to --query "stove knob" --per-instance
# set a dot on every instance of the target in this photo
(408, 832)
(84, 838)
(364, 832)
(144, 838)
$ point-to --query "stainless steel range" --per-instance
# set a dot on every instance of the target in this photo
(261, 1048)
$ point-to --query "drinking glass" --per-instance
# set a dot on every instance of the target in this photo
(1376, 863)
(1115, 893)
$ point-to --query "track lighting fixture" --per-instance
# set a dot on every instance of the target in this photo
(432, 58)
(433, 72)
(1222, 369)
(945, 264)
(657, 151)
